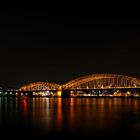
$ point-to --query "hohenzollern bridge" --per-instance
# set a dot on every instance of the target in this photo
(104, 85)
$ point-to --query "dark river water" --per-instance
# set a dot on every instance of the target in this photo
(96, 118)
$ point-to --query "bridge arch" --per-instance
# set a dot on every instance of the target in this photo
(95, 81)
(40, 86)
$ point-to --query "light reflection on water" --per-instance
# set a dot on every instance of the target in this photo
(71, 116)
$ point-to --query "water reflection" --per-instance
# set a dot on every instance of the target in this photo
(71, 116)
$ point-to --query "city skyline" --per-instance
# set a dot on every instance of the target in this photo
(84, 77)
(94, 85)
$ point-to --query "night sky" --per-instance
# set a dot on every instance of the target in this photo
(57, 43)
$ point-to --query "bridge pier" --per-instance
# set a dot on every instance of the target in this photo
(65, 94)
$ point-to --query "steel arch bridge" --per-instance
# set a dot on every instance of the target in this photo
(40, 86)
(102, 81)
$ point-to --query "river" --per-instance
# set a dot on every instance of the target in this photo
(70, 117)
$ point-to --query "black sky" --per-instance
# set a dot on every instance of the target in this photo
(61, 42)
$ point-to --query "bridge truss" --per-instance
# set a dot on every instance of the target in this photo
(102, 81)
(40, 86)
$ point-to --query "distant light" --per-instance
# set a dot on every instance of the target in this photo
(59, 93)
